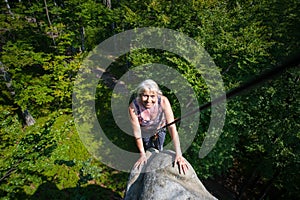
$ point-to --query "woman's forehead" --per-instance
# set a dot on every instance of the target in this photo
(149, 91)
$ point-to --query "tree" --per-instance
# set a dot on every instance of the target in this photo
(43, 44)
(243, 45)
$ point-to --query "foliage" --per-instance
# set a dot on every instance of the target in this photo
(50, 153)
(42, 58)
(272, 131)
(43, 44)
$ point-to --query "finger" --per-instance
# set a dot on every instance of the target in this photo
(184, 168)
(137, 164)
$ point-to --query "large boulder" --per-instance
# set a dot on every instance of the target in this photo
(160, 179)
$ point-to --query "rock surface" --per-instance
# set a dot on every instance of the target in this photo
(160, 180)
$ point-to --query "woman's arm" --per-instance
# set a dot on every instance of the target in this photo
(138, 136)
(174, 134)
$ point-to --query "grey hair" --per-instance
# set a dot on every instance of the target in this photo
(148, 84)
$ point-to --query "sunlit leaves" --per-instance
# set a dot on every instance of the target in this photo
(243, 37)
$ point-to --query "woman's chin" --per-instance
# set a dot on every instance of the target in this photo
(148, 106)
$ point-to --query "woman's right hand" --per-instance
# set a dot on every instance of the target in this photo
(141, 161)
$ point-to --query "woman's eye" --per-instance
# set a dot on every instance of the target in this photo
(148, 96)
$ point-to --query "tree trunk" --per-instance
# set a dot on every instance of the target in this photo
(82, 38)
(107, 3)
(27, 117)
(49, 21)
(29, 120)
(8, 7)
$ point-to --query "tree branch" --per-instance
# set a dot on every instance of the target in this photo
(49, 21)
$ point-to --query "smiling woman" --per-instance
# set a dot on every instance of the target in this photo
(149, 112)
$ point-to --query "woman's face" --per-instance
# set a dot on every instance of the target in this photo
(148, 98)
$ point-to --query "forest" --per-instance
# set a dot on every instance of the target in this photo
(44, 43)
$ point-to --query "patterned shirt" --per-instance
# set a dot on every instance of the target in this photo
(156, 115)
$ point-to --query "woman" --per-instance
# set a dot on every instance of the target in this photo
(149, 112)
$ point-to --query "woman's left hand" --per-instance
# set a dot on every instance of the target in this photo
(182, 165)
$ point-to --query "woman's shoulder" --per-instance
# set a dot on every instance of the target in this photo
(164, 100)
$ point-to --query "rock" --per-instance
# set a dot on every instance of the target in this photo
(160, 180)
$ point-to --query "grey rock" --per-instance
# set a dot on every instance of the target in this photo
(159, 179)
